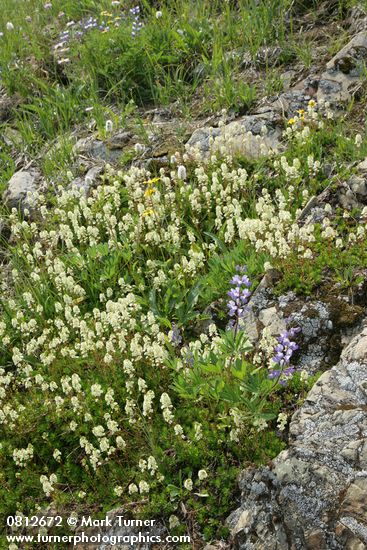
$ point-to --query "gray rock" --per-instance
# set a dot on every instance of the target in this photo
(353, 193)
(315, 491)
(288, 103)
(357, 20)
(119, 140)
(320, 337)
(269, 56)
(287, 78)
(98, 149)
(343, 74)
(12, 137)
(90, 179)
(20, 186)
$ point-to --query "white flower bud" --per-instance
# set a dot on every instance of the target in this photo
(181, 172)
(109, 126)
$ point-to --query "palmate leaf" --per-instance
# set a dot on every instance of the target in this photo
(254, 383)
(240, 369)
(97, 251)
(235, 343)
(155, 310)
(232, 394)
(177, 304)
(194, 294)
(191, 386)
(211, 368)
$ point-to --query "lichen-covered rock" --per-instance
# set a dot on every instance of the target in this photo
(314, 495)
(353, 193)
(20, 186)
(98, 149)
(323, 324)
(357, 20)
(342, 77)
(288, 103)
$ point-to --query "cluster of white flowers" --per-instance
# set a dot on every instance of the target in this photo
(22, 456)
(48, 483)
(229, 140)
(276, 230)
(166, 406)
(266, 347)
(282, 421)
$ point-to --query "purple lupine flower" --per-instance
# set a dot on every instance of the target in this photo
(176, 337)
(283, 352)
(239, 295)
(137, 25)
(188, 357)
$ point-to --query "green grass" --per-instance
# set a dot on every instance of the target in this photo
(159, 65)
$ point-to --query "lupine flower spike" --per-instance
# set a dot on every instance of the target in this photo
(283, 353)
(239, 295)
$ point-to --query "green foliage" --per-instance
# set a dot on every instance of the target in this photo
(227, 377)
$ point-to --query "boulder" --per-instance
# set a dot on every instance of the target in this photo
(324, 324)
(20, 186)
(288, 103)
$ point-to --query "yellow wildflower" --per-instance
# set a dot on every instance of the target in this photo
(312, 103)
(150, 191)
(292, 121)
(78, 300)
(148, 212)
(152, 181)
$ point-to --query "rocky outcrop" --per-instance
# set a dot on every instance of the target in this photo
(342, 78)
(313, 495)
(353, 193)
